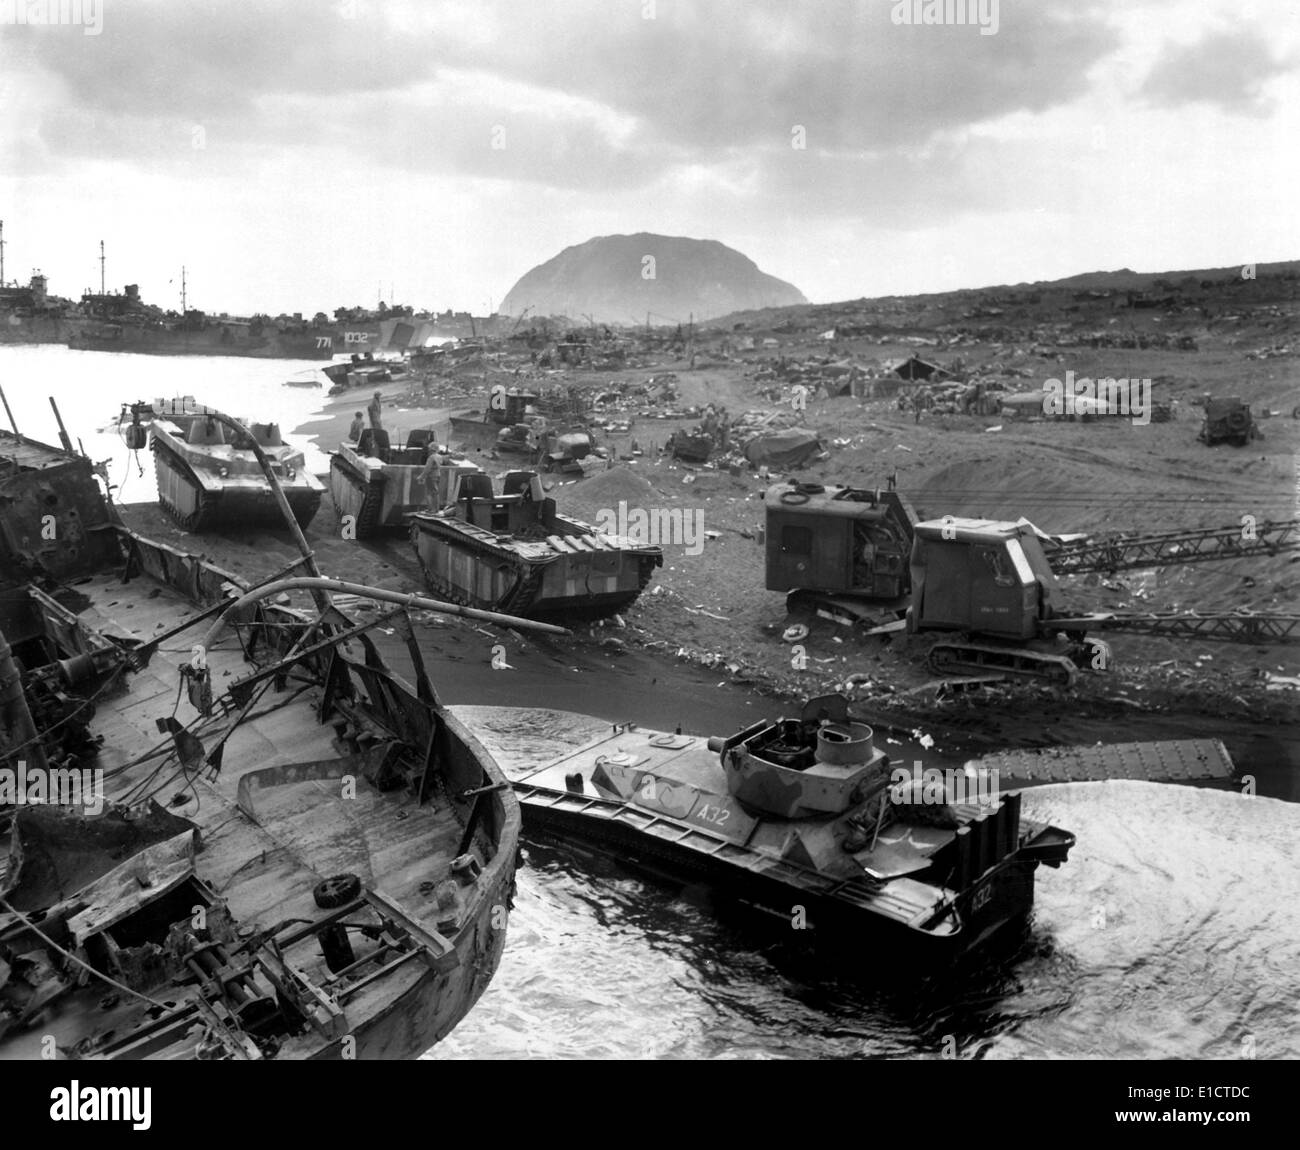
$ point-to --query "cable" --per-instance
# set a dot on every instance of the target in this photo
(73, 958)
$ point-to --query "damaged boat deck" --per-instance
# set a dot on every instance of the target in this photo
(289, 807)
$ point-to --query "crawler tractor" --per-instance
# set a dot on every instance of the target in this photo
(862, 554)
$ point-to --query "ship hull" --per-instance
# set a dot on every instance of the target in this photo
(147, 342)
(434, 1004)
(248, 952)
(1005, 895)
(823, 844)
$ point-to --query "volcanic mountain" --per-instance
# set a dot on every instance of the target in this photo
(621, 279)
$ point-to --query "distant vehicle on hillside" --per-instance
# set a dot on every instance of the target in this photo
(1228, 421)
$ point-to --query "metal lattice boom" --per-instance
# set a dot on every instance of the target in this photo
(1229, 627)
(1171, 547)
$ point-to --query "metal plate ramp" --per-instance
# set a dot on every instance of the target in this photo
(1170, 761)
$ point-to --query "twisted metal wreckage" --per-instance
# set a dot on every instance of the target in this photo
(317, 863)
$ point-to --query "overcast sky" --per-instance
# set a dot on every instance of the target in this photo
(302, 154)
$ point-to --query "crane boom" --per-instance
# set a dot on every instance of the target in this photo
(1228, 627)
(1171, 547)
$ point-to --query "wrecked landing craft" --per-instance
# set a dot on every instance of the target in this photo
(513, 551)
(316, 863)
(801, 813)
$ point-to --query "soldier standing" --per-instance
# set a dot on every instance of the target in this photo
(375, 411)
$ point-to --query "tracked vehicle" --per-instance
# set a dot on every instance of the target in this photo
(804, 815)
(989, 584)
(505, 410)
(547, 449)
(862, 556)
(378, 484)
(208, 476)
(514, 551)
(1228, 421)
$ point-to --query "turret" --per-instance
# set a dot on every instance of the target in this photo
(822, 763)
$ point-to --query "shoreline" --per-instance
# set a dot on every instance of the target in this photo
(328, 428)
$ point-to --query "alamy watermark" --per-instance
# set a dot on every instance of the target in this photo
(930, 786)
(21, 785)
(981, 12)
(77, 1103)
(87, 14)
(656, 526)
(1108, 396)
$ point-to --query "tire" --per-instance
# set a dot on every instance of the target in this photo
(336, 891)
(794, 498)
(1237, 420)
(1295, 412)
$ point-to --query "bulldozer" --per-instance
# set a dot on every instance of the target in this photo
(504, 410)
(546, 448)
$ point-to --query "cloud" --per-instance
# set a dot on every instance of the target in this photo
(363, 131)
(1227, 68)
(589, 92)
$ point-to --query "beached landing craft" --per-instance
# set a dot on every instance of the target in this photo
(513, 551)
(362, 370)
(806, 819)
(805, 816)
(210, 475)
(292, 853)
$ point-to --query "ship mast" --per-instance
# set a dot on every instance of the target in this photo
(101, 267)
(182, 291)
(2, 253)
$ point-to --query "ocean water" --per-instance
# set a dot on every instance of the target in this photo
(1173, 931)
(90, 388)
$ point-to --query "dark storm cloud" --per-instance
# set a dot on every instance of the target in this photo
(726, 74)
(712, 84)
(204, 58)
(1228, 69)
